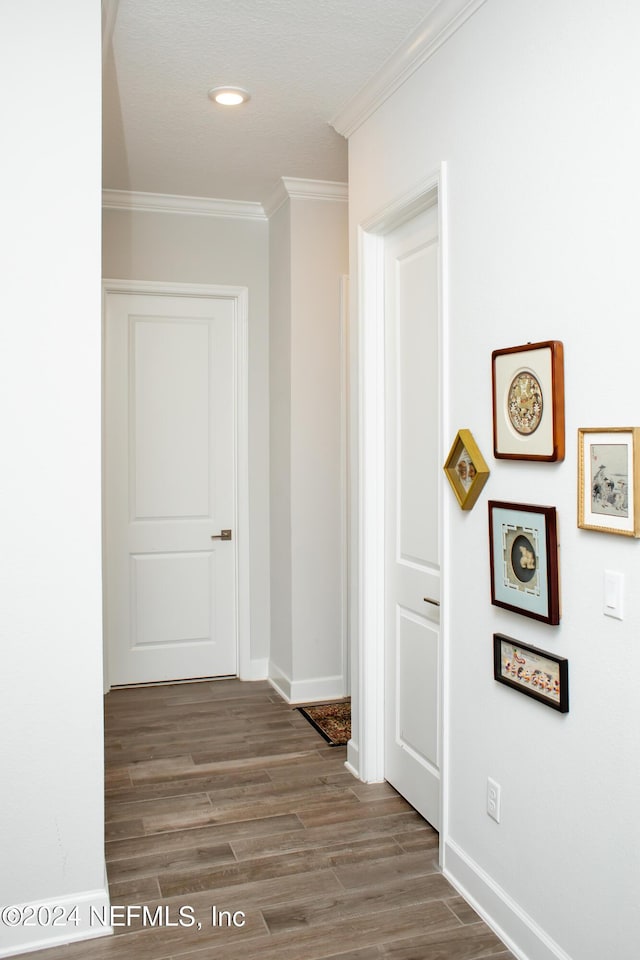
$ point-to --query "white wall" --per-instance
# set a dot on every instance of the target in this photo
(281, 652)
(534, 107)
(51, 822)
(309, 252)
(215, 250)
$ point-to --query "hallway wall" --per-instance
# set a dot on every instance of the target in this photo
(51, 750)
(534, 109)
(309, 244)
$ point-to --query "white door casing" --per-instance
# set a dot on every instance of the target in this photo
(366, 755)
(176, 601)
(412, 568)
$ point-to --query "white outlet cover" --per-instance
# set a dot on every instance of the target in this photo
(493, 799)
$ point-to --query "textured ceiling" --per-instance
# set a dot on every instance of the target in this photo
(302, 60)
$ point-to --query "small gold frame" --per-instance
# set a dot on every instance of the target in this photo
(466, 469)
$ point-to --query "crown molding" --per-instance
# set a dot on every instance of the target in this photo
(194, 206)
(109, 16)
(438, 26)
(295, 188)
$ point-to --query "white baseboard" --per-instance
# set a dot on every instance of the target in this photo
(306, 691)
(521, 934)
(86, 910)
(256, 670)
(279, 681)
(352, 763)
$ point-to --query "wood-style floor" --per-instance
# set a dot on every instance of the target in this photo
(220, 795)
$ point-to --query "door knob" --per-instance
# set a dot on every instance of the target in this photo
(436, 603)
(223, 535)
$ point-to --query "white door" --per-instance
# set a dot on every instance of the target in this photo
(412, 571)
(169, 487)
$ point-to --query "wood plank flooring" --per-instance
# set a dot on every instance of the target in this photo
(219, 795)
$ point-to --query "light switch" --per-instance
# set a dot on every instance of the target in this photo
(613, 594)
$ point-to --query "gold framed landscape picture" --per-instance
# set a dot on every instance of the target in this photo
(609, 480)
(466, 469)
(528, 402)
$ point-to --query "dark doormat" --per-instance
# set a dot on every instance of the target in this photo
(331, 720)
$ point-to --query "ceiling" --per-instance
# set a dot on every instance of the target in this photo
(301, 60)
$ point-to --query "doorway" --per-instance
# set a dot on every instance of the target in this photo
(393, 489)
(175, 504)
(412, 552)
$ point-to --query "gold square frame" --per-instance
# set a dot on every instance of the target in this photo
(609, 480)
(466, 469)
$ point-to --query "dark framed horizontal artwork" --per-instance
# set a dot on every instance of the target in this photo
(534, 672)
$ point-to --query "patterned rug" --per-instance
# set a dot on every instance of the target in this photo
(332, 720)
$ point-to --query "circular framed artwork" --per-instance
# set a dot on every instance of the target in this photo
(525, 403)
(523, 559)
(528, 402)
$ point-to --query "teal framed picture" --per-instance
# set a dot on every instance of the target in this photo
(523, 543)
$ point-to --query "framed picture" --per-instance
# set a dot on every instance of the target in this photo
(528, 402)
(609, 480)
(523, 543)
(466, 469)
(534, 672)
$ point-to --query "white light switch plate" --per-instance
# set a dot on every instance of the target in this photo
(613, 605)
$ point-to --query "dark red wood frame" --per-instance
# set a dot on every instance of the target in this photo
(557, 401)
(553, 587)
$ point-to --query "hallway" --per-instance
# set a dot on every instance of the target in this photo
(219, 795)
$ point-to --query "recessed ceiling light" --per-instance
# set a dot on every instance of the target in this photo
(229, 96)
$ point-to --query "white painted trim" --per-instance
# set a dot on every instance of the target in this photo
(509, 921)
(26, 939)
(319, 689)
(404, 207)
(257, 670)
(279, 681)
(300, 189)
(444, 529)
(243, 553)
(170, 203)
(352, 763)
(344, 479)
(277, 199)
(371, 441)
(370, 560)
(243, 550)
(295, 188)
(109, 17)
(440, 24)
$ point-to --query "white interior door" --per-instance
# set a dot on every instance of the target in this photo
(169, 487)
(412, 571)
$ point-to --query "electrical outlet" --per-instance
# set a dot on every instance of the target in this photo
(493, 799)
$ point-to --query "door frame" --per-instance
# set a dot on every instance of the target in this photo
(366, 757)
(240, 298)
